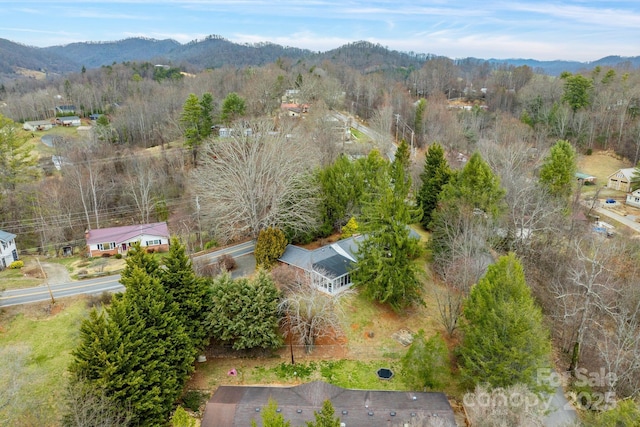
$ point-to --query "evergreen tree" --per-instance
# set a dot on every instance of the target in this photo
(233, 107)
(192, 294)
(476, 186)
(325, 417)
(245, 313)
(386, 269)
(191, 120)
(270, 246)
(558, 171)
(350, 228)
(435, 175)
(16, 163)
(271, 417)
(137, 257)
(426, 363)
(577, 90)
(504, 339)
(206, 115)
(400, 176)
(139, 353)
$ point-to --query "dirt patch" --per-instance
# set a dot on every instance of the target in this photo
(56, 274)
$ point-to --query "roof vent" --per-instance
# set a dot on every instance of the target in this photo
(279, 410)
(392, 413)
(257, 409)
(345, 412)
(371, 413)
(299, 411)
(413, 414)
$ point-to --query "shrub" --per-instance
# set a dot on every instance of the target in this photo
(150, 250)
(118, 256)
(102, 299)
(227, 263)
(270, 246)
(193, 399)
(16, 264)
(350, 228)
(210, 244)
(107, 255)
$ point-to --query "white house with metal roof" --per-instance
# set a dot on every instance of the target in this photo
(8, 251)
(327, 267)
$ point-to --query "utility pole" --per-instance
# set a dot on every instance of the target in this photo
(46, 281)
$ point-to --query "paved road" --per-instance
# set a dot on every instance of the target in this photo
(633, 225)
(561, 413)
(112, 283)
(372, 134)
(41, 293)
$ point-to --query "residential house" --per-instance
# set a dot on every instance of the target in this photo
(585, 178)
(64, 110)
(295, 110)
(234, 406)
(8, 251)
(38, 125)
(69, 121)
(622, 180)
(328, 267)
(633, 199)
(118, 240)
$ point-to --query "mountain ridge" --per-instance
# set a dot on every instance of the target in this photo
(216, 51)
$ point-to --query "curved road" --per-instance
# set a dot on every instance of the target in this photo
(102, 284)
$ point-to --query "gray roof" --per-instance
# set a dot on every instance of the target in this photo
(235, 406)
(6, 237)
(334, 259)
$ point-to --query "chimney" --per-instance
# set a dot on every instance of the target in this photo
(86, 234)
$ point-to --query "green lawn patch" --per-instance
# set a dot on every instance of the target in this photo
(49, 339)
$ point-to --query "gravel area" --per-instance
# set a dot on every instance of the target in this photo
(56, 274)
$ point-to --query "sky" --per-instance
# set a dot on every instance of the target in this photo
(544, 30)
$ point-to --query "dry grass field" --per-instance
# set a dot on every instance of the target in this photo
(601, 164)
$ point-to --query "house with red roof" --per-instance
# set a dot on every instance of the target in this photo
(118, 240)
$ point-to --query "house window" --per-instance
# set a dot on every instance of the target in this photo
(152, 242)
(106, 246)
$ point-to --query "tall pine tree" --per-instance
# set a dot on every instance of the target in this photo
(504, 339)
(435, 175)
(386, 269)
(191, 293)
(138, 352)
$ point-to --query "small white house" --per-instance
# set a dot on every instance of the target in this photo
(633, 199)
(118, 240)
(8, 251)
(69, 121)
(38, 125)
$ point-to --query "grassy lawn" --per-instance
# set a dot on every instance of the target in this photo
(601, 164)
(358, 135)
(49, 335)
(16, 279)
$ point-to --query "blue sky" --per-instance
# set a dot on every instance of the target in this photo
(545, 30)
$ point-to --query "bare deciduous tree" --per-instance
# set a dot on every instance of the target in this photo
(310, 314)
(90, 407)
(248, 182)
